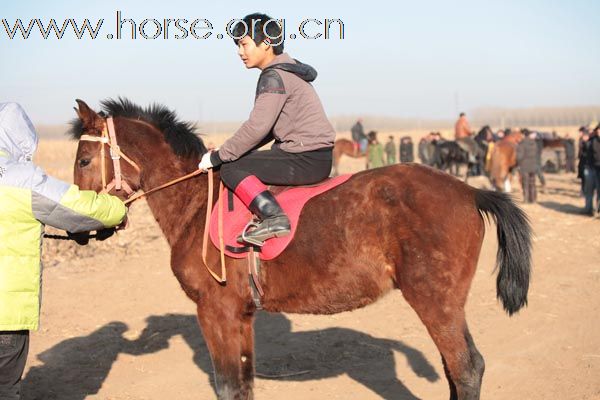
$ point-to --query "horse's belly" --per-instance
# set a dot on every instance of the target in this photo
(330, 295)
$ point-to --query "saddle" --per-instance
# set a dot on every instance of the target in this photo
(236, 216)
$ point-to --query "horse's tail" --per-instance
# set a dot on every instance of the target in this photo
(513, 260)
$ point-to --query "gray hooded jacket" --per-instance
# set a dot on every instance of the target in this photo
(287, 109)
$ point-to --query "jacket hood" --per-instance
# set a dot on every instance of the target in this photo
(17, 134)
(301, 70)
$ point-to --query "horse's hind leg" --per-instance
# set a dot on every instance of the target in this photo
(229, 337)
(463, 364)
(440, 305)
(466, 384)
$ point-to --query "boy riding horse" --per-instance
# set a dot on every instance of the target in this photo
(286, 109)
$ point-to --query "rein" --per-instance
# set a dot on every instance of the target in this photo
(109, 138)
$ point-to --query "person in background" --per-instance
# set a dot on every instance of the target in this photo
(569, 153)
(491, 140)
(407, 153)
(582, 149)
(359, 138)
(434, 149)
(539, 142)
(592, 172)
(30, 199)
(499, 135)
(390, 151)
(463, 136)
(527, 162)
(374, 152)
(422, 149)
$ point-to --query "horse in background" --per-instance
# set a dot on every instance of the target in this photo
(504, 159)
(345, 147)
(451, 155)
(550, 141)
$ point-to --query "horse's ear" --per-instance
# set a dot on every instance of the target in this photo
(89, 118)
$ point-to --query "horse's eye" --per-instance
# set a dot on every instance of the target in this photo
(83, 162)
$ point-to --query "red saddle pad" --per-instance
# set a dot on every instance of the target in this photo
(291, 200)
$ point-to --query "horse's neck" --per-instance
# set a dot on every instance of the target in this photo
(177, 207)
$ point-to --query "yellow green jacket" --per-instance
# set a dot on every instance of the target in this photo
(375, 155)
(30, 199)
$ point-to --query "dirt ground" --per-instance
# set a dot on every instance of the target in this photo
(116, 325)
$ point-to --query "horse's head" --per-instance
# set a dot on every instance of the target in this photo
(101, 163)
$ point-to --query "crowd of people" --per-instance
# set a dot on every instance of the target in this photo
(377, 154)
(528, 153)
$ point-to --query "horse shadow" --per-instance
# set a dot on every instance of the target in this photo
(77, 367)
(327, 353)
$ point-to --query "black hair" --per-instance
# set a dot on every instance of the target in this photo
(259, 27)
(462, 114)
(180, 135)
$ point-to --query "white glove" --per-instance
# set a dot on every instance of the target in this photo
(205, 163)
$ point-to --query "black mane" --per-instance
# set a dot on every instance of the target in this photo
(180, 135)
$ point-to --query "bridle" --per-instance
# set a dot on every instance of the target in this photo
(109, 137)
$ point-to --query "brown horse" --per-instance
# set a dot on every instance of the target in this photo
(344, 147)
(503, 160)
(561, 146)
(406, 227)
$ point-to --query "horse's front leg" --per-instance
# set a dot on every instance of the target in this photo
(229, 336)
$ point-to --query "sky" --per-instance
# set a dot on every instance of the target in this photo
(427, 59)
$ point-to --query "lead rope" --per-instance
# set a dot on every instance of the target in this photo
(109, 137)
(137, 196)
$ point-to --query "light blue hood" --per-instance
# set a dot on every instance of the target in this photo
(17, 134)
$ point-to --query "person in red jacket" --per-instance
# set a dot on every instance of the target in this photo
(287, 110)
(463, 135)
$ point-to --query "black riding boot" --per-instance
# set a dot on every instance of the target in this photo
(273, 222)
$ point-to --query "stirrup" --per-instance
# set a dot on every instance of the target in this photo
(244, 239)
